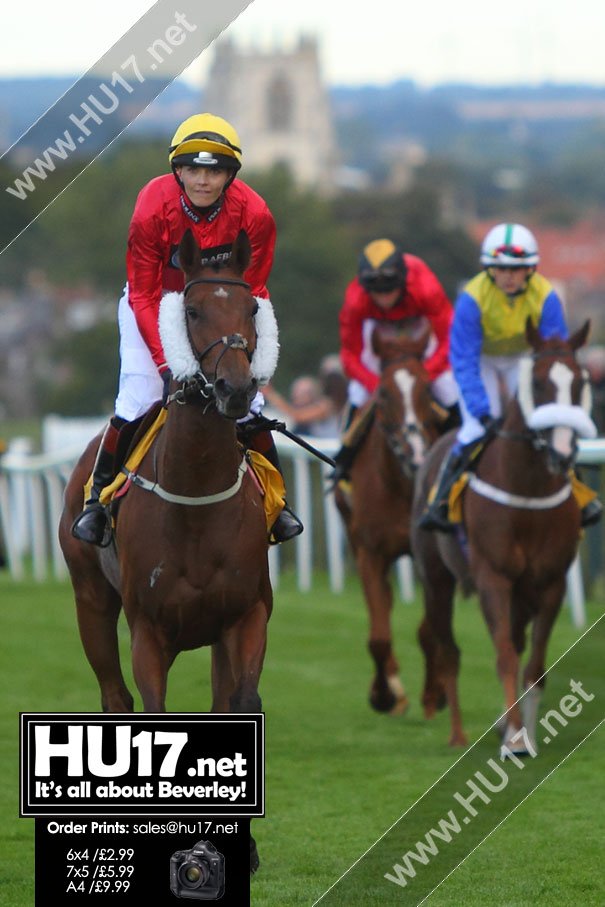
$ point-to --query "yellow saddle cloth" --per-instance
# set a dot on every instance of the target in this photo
(581, 492)
(268, 478)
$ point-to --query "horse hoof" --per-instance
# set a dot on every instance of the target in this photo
(382, 702)
(458, 739)
(433, 703)
(400, 707)
(389, 696)
(515, 752)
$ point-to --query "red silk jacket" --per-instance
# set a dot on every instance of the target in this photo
(423, 296)
(161, 216)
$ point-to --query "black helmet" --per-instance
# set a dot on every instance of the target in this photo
(381, 267)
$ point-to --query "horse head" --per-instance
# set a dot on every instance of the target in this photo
(554, 395)
(209, 332)
(405, 407)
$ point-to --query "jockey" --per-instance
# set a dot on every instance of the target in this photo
(201, 194)
(486, 344)
(395, 288)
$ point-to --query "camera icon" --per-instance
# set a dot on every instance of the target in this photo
(199, 873)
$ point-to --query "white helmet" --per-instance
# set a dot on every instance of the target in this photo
(510, 246)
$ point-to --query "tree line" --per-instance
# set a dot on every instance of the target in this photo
(81, 237)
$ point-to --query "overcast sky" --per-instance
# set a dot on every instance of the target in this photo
(430, 42)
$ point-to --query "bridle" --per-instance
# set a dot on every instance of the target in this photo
(199, 383)
(234, 281)
(400, 438)
(538, 438)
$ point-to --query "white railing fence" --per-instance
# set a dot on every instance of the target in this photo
(31, 500)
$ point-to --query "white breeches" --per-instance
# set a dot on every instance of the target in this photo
(140, 383)
(500, 376)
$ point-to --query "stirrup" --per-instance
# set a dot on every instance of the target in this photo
(93, 525)
(591, 513)
(435, 518)
(339, 474)
(287, 526)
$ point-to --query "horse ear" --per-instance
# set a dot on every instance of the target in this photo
(580, 337)
(241, 252)
(190, 255)
(532, 334)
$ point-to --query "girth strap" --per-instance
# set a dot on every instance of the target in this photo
(148, 485)
(515, 500)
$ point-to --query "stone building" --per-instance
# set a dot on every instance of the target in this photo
(280, 107)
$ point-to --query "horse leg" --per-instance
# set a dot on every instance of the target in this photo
(441, 654)
(223, 682)
(495, 596)
(150, 665)
(237, 662)
(387, 693)
(98, 607)
(533, 675)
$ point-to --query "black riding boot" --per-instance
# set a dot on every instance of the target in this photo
(453, 420)
(346, 455)
(93, 525)
(287, 526)
(436, 514)
(344, 460)
(591, 513)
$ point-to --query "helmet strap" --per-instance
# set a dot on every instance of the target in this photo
(196, 214)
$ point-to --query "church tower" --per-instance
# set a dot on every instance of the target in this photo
(280, 108)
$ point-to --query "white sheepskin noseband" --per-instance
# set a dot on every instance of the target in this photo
(180, 358)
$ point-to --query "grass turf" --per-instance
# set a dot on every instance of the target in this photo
(337, 774)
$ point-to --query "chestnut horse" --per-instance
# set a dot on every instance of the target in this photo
(189, 560)
(519, 535)
(376, 509)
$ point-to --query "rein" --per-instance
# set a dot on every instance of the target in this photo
(507, 498)
(530, 436)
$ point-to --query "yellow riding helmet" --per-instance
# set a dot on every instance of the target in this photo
(206, 140)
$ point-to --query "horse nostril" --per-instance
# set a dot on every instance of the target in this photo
(223, 388)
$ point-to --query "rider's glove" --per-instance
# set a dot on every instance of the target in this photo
(166, 376)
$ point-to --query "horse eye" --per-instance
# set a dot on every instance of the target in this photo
(255, 309)
(191, 312)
